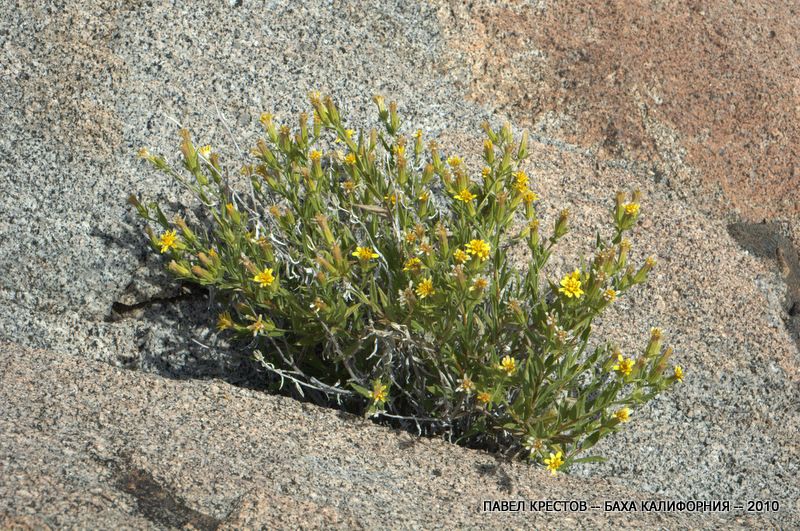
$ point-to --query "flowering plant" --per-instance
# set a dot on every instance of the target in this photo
(370, 268)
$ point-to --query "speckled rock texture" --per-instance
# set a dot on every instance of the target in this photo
(695, 106)
(115, 449)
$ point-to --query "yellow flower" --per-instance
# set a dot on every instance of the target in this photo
(168, 240)
(413, 264)
(508, 364)
(411, 237)
(378, 393)
(624, 365)
(466, 385)
(454, 160)
(529, 196)
(364, 253)
(391, 199)
(571, 286)
(400, 151)
(225, 321)
(554, 463)
(418, 134)
(349, 186)
(484, 397)
(520, 179)
(478, 248)
(315, 155)
(460, 256)
(679, 373)
(486, 172)
(425, 288)
(479, 284)
(424, 196)
(264, 278)
(350, 159)
(465, 195)
(651, 261)
(632, 209)
(623, 415)
(205, 151)
(348, 133)
(610, 295)
(318, 305)
(258, 326)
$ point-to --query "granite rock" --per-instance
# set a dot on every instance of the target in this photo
(85, 84)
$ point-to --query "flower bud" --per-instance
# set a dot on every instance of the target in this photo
(488, 129)
(187, 232)
(654, 346)
(533, 235)
(383, 114)
(561, 224)
(203, 274)
(427, 173)
(488, 151)
(394, 119)
(619, 211)
(179, 269)
(303, 128)
(316, 102)
(269, 125)
(641, 275)
(523, 146)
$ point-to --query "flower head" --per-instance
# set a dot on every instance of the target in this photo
(529, 196)
(465, 195)
(350, 159)
(479, 284)
(348, 134)
(486, 172)
(554, 462)
(520, 180)
(224, 321)
(378, 393)
(413, 264)
(168, 240)
(264, 278)
(205, 151)
(425, 288)
(349, 186)
(610, 295)
(466, 386)
(258, 326)
(623, 415)
(571, 285)
(454, 160)
(315, 156)
(533, 443)
(632, 209)
(508, 364)
(318, 305)
(365, 253)
(679, 373)
(484, 397)
(460, 256)
(624, 365)
(478, 248)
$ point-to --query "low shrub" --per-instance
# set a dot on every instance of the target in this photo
(369, 267)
